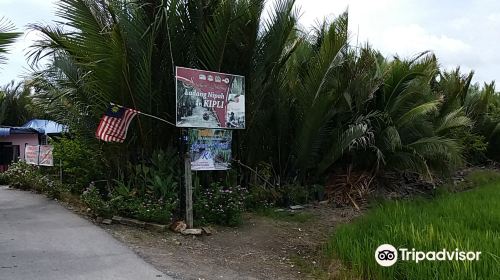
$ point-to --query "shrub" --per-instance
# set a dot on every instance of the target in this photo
(297, 194)
(56, 189)
(157, 211)
(120, 202)
(93, 200)
(150, 190)
(27, 177)
(263, 197)
(157, 178)
(19, 175)
(81, 162)
(146, 209)
(474, 146)
(219, 204)
(24, 176)
(4, 180)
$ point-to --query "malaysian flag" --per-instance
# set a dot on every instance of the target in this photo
(114, 124)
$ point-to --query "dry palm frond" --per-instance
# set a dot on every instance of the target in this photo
(351, 188)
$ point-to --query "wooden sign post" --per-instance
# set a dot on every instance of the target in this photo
(188, 182)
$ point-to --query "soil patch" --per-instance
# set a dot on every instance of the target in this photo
(261, 248)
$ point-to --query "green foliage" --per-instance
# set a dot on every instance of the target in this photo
(298, 194)
(93, 200)
(287, 216)
(16, 106)
(27, 177)
(24, 176)
(482, 177)
(475, 146)
(7, 37)
(263, 197)
(143, 208)
(15, 102)
(158, 178)
(148, 193)
(219, 204)
(82, 162)
(4, 180)
(313, 100)
(467, 221)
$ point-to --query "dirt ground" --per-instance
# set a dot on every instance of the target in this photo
(261, 248)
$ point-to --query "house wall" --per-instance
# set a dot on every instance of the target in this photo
(22, 140)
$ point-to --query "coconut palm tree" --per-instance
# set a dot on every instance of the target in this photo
(7, 37)
(14, 98)
(125, 52)
(16, 107)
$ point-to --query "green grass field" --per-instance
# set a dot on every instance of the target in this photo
(468, 220)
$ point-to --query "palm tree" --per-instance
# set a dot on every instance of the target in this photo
(7, 37)
(412, 137)
(16, 107)
(125, 52)
(14, 98)
(483, 105)
(355, 108)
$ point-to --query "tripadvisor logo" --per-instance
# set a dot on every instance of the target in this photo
(387, 255)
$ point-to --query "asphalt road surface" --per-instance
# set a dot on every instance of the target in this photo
(39, 239)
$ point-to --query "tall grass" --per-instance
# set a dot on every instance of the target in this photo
(469, 221)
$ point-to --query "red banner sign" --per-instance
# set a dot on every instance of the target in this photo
(209, 99)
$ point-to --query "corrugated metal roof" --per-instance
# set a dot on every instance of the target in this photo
(46, 126)
(7, 131)
(4, 131)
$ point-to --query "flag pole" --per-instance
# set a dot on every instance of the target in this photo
(155, 117)
(147, 115)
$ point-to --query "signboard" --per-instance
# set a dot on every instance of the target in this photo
(45, 157)
(209, 99)
(210, 149)
(39, 155)
(31, 154)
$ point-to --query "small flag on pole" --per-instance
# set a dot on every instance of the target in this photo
(114, 124)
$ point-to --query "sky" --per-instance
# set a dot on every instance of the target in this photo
(460, 33)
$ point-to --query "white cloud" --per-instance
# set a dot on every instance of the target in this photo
(460, 23)
(495, 18)
(413, 38)
(460, 33)
(21, 13)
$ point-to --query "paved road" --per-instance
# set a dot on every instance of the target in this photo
(39, 239)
